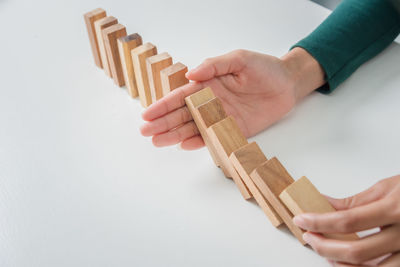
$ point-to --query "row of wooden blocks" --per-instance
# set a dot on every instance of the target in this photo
(146, 74)
(267, 181)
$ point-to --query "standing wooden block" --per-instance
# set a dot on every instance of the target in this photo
(173, 77)
(139, 56)
(302, 197)
(245, 160)
(271, 178)
(90, 18)
(99, 26)
(227, 137)
(125, 46)
(154, 66)
(110, 35)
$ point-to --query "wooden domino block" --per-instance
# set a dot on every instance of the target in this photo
(245, 160)
(125, 46)
(139, 56)
(99, 26)
(173, 77)
(110, 35)
(154, 66)
(271, 178)
(90, 19)
(302, 197)
(193, 102)
(226, 137)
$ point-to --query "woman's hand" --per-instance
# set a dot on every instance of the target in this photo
(256, 89)
(379, 206)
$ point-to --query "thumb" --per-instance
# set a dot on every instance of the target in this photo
(230, 63)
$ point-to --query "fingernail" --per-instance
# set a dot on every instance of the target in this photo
(307, 237)
(179, 147)
(299, 221)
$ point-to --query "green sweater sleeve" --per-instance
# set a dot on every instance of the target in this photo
(356, 31)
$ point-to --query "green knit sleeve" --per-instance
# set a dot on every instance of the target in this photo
(356, 31)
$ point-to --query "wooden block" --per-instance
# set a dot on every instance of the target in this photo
(154, 66)
(193, 102)
(90, 19)
(271, 178)
(99, 26)
(173, 77)
(139, 56)
(302, 197)
(226, 137)
(125, 46)
(110, 35)
(245, 160)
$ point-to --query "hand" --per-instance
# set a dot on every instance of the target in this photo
(379, 206)
(256, 89)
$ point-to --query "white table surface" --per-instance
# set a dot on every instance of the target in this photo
(79, 185)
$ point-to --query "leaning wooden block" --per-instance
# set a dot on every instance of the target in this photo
(139, 56)
(99, 26)
(226, 137)
(154, 66)
(245, 160)
(173, 77)
(90, 19)
(271, 178)
(125, 46)
(110, 35)
(302, 197)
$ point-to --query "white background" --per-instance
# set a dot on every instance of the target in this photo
(79, 186)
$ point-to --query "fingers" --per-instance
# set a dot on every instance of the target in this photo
(167, 122)
(229, 63)
(177, 135)
(356, 252)
(192, 143)
(392, 261)
(361, 218)
(170, 102)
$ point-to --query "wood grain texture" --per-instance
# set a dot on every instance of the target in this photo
(125, 46)
(303, 197)
(245, 160)
(139, 56)
(227, 137)
(271, 178)
(99, 26)
(155, 65)
(173, 77)
(110, 36)
(90, 18)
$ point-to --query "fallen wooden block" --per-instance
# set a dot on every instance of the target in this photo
(110, 35)
(193, 102)
(154, 66)
(245, 160)
(125, 46)
(173, 77)
(226, 137)
(99, 26)
(271, 178)
(90, 19)
(139, 56)
(302, 197)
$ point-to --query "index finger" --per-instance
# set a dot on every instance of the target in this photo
(171, 102)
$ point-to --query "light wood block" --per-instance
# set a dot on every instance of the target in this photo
(110, 35)
(125, 46)
(173, 77)
(271, 178)
(154, 66)
(245, 160)
(99, 26)
(90, 19)
(227, 137)
(139, 56)
(302, 197)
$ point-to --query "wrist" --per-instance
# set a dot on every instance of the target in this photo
(305, 73)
